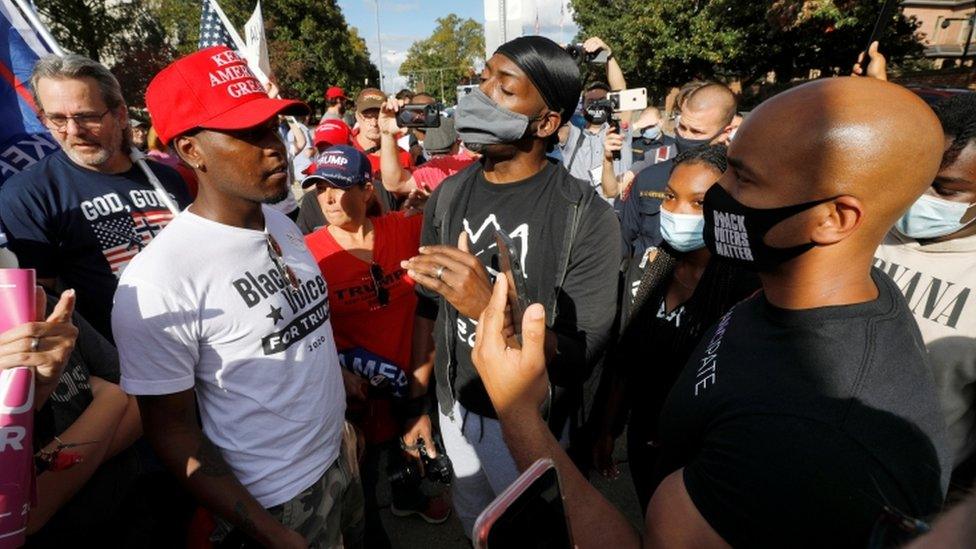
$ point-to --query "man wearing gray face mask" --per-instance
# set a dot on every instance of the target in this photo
(565, 237)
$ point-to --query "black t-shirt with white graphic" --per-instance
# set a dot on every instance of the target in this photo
(797, 427)
(519, 209)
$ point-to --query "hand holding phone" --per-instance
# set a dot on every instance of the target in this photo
(510, 266)
(529, 513)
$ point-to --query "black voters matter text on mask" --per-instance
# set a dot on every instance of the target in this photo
(731, 236)
(310, 302)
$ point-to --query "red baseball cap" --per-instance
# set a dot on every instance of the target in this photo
(335, 92)
(332, 131)
(212, 89)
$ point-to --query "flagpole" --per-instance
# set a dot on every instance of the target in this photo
(135, 154)
(238, 41)
(39, 27)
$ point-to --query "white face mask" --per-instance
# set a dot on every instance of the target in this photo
(684, 232)
(932, 217)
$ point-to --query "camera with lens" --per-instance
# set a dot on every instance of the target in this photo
(419, 116)
(437, 469)
(580, 55)
(600, 110)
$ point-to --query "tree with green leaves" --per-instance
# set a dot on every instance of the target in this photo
(446, 58)
(664, 43)
(310, 44)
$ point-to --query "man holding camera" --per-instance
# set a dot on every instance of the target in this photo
(446, 157)
(582, 148)
(366, 137)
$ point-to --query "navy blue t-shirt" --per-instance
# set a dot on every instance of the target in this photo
(84, 227)
(640, 223)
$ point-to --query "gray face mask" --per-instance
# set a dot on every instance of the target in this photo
(480, 121)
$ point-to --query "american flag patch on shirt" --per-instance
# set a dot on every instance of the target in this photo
(124, 236)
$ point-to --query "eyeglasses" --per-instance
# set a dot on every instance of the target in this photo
(274, 250)
(59, 122)
(382, 294)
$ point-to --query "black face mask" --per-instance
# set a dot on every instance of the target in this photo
(735, 232)
(596, 116)
(685, 144)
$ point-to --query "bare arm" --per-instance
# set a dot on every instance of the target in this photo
(129, 429)
(395, 178)
(170, 424)
(516, 381)
(423, 366)
(97, 424)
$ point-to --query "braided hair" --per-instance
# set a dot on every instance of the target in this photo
(958, 117)
(720, 287)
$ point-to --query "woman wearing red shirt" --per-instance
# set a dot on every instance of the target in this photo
(372, 303)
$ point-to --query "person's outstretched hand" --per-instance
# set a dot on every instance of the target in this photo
(387, 119)
(516, 380)
(877, 64)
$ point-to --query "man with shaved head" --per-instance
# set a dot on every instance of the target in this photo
(707, 109)
(808, 415)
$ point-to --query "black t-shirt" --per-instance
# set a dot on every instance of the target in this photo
(520, 209)
(83, 226)
(796, 428)
(93, 355)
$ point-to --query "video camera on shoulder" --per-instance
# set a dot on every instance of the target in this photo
(419, 116)
(578, 53)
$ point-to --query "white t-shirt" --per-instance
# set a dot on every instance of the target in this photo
(939, 283)
(204, 308)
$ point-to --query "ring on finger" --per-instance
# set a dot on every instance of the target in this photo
(35, 344)
(439, 273)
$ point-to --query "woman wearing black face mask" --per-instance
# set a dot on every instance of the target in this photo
(681, 292)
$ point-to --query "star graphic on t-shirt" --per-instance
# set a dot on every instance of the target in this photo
(275, 314)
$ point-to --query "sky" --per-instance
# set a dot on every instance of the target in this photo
(402, 22)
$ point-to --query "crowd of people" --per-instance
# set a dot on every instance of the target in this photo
(776, 307)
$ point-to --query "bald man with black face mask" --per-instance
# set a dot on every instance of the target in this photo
(567, 241)
(808, 416)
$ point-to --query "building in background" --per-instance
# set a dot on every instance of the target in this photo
(946, 26)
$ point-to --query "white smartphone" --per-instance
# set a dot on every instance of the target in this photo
(634, 99)
(529, 513)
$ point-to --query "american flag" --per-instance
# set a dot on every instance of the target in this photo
(212, 31)
(124, 236)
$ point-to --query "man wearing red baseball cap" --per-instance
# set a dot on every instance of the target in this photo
(241, 330)
(335, 101)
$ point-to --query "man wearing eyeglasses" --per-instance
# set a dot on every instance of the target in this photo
(227, 313)
(80, 215)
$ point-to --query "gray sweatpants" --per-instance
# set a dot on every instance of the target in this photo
(483, 466)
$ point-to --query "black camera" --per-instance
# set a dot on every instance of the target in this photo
(437, 469)
(600, 110)
(419, 116)
(598, 57)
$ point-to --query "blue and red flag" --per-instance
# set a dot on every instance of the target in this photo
(23, 139)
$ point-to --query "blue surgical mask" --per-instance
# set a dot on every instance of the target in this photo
(651, 133)
(684, 232)
(932, 217)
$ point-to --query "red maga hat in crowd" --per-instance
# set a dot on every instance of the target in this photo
(332, 132)
(335, 92)
(212, 89)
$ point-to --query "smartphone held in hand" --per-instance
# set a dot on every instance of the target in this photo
(529, 513)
